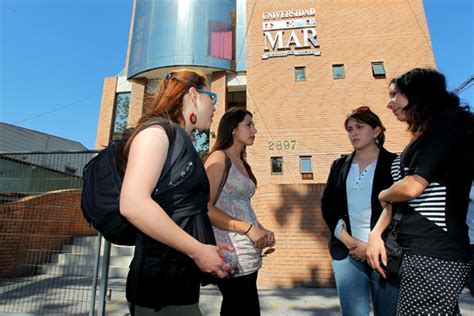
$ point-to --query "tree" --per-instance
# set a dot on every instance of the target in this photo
(201, 143)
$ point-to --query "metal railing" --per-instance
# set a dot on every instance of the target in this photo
(49, 256)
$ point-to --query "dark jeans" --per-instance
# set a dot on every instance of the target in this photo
(240, 295)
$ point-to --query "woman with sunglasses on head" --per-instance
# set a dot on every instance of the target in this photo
(434, 175)
(175, 243)
(231, 213)
(351, 208)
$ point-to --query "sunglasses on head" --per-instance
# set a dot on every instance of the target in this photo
(361, 109)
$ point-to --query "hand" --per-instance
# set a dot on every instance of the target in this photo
(358, 251)
(258, 236)
(228, 254)
(269, 237)
(386, 204)
(376, 253)
(209, 260)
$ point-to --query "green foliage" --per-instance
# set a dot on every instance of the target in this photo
(201, 143)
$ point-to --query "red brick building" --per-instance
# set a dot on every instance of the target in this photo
(299, 67)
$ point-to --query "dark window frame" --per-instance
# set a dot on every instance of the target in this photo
(120, 115)
(306, 175)
(310, 164)
(304, 73)
(376, 73)
(271, 165)
(343, 71)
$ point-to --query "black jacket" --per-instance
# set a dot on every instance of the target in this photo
(334, 200)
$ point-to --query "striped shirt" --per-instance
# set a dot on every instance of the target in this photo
(431, 203)
(434, 223)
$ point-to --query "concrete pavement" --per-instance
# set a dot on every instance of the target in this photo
(276, 301)
(62, 295)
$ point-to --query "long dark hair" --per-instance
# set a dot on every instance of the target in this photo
(365, 115)
(427, 96)
(225, 139)
(168, 104)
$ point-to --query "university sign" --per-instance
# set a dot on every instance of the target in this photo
(284, 35)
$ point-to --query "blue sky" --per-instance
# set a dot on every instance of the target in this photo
(55, 54)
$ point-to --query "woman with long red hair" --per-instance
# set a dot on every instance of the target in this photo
(175, 248)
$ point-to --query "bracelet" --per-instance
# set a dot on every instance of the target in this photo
(247, 231)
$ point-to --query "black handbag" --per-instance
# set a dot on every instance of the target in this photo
(392, 247)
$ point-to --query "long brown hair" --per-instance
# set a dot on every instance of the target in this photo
(168, 104)
(225, 139)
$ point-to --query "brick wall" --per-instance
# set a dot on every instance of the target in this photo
(136, 101)
(107, 105)
(219, 86)
(33, 228)
(293, 213)
(311, 113)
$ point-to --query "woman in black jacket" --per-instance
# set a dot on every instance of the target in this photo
(351, 209)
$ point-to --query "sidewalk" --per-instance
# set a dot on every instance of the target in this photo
(278, 301)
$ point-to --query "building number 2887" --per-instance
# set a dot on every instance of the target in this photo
(281, 144)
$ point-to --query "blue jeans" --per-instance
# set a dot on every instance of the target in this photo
(354, 281)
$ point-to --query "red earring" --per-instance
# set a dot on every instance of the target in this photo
(193, 118)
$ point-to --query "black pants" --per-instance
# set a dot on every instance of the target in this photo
(240, 295)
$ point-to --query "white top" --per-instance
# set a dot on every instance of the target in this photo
(470, 214)
(235, 201)
(359, 195)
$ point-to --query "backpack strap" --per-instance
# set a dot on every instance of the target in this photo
(228, 165)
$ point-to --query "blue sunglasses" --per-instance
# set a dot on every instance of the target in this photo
(212, 95)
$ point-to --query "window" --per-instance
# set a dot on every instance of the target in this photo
(122, 102)
(300, 73)
(305, 168)
(378, 70)
(338, 71)
(277, 165)
(236, 98)
(220, 40)
(305, 164)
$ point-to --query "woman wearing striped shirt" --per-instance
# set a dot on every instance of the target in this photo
(433, 176)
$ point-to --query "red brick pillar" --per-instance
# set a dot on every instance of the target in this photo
(218, 86)
(104, 125)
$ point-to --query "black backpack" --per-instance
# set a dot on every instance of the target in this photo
(102, 183)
